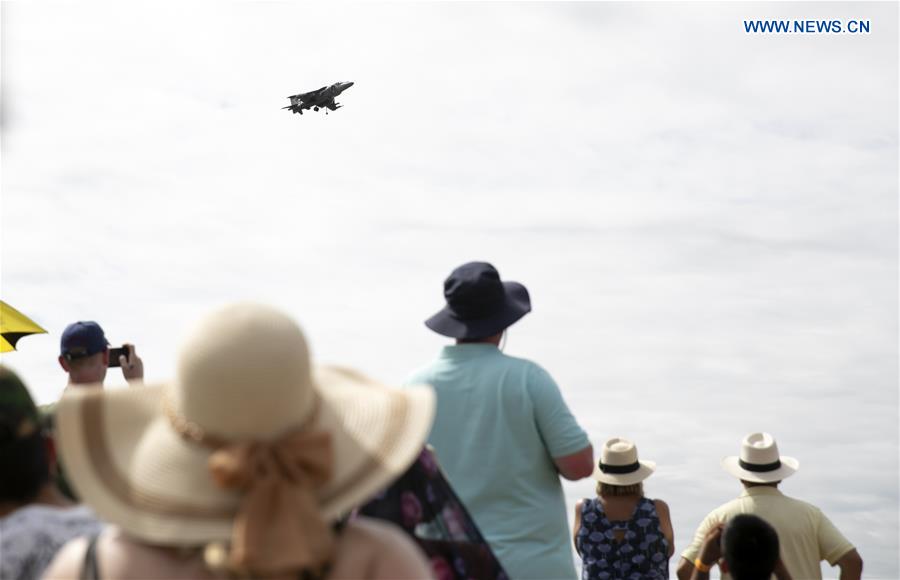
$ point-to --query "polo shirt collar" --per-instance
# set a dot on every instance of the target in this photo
(760, 490)
(468, 350)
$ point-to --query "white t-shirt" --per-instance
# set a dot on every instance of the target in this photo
(31, 536)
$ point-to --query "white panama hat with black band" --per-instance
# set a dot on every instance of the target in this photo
(759, 461)
(619, 464)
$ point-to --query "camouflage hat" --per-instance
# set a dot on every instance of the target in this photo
(19, 417)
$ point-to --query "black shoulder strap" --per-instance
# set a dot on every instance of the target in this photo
(90, 570)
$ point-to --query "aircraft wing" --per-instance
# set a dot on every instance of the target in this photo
(317, 98)
(311, 95)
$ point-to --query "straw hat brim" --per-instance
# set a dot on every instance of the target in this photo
(789, 467)
(126, 461)
(645, 470)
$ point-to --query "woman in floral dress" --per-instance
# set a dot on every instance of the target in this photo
(620, 534)
(422, 502)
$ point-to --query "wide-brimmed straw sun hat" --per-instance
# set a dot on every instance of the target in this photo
(759, 461)
(248, 444)
(479, 304)
(619, 464)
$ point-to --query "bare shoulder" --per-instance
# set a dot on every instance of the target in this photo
(68, 561)
(661, 506)
(379, 550)
(369, 531)
(578, 508)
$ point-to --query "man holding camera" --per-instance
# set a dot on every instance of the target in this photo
(85, 355)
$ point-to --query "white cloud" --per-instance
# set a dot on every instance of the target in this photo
(707, 220)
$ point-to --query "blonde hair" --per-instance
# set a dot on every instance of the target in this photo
(608, 489)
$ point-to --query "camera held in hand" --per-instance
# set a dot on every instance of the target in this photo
(115, 353)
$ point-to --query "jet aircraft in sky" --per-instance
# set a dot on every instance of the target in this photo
(321, 98)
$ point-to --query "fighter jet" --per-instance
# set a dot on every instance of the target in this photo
(321, 98)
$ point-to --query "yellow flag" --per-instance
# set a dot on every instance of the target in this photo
(13, 326)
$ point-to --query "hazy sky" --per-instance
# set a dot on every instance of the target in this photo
(706, 219)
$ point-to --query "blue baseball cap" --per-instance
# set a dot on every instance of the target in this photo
(81, 339)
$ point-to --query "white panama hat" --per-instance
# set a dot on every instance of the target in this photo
(759, 461)
(619, 464)
(244, 374)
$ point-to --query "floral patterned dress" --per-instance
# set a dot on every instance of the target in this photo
(422, 502)
(635, 549)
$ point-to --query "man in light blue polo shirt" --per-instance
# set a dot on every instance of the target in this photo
(503, 433)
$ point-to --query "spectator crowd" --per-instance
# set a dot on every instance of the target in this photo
(255, 462)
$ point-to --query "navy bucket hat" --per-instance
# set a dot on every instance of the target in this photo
(479, 304)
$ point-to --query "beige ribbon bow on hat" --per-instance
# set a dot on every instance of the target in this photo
(278, 527)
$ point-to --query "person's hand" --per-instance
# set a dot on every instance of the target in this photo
(711, 550)
(132, 366)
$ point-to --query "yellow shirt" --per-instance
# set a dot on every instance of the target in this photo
(805, 535)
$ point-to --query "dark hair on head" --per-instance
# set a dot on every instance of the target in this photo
(24, 468)
(24, 461)
(750, 546)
